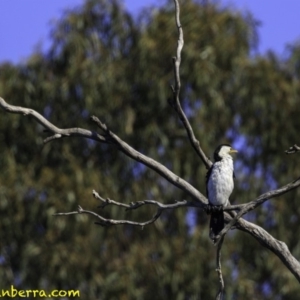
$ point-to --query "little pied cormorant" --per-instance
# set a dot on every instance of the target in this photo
(219, 186)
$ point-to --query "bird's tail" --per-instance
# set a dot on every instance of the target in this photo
(216, 224)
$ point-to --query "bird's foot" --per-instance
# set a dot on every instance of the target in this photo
(213, 208)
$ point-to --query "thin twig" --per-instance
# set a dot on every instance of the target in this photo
(176, 91)
(219, 271)
(106, 222)
(135, 205)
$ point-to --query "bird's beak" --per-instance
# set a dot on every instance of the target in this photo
(233, 151)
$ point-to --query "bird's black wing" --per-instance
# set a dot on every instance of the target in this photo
(207, 178)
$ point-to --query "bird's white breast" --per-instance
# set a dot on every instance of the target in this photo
(220, 182)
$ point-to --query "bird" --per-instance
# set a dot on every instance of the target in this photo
(219, 186)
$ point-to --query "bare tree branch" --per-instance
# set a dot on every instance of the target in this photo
(255, 203)
(279, 248)
(135, 205)
(293, 149)
(111, 138)
(152, 164)
(219, 271)
(106, 222)
(175, 103)
(58, 132)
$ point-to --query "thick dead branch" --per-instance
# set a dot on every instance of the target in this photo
(279, 248)
(111, 138)
(152, 164)
(175, 102)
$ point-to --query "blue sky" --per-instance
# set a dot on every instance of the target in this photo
(24, 24)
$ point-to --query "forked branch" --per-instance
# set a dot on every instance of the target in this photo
(245, 208)
(106, 222)
(135, 205)
(108, 137)
(131, 206)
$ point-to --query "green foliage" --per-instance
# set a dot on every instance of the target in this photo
(106, 63)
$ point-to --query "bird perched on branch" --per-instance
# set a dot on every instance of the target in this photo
(219, 186)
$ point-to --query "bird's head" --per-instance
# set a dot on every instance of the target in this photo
(222, 151)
